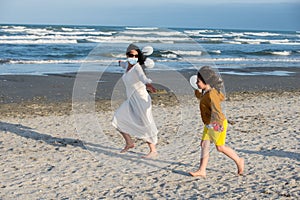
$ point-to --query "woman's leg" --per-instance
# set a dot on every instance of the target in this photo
(152, 152)
(232, 154)
(203, 160)
(129, 142)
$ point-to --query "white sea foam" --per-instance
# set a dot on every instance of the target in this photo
(76, 29)
(121, 55)
(278, 41)
(281, 53)
(15, 29)
(216, 51)
(284, 42)
(192, 33)
(48, 37)
(239, 59)
(166, 41)
(211, 36)
(34, 39)
(198, 31)
(170, 55)
(233, 34)
(290, 43)
(149, 39)
(141, 28)
(159, 33)
(266, 73)
(84, 33)
(262, 34)
(38, 31)
(203, 34)
(207, 34)
(232, 42)
(59, 61)
(38, 41)
(250, 41)
(192, 53)
(66, 31)
(212, 39)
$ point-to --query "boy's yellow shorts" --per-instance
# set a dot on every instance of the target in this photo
(218, 138)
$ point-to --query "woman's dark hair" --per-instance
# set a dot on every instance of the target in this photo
(208, 76)
(141, 57)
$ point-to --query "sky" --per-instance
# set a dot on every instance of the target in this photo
(226, 14)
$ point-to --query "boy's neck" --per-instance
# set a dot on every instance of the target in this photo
(207, 88)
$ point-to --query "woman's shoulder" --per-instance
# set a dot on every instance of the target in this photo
(137, 65)
(138, 68)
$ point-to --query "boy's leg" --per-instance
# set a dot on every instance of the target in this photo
(129, 142)
(232, 154)
(203, 160)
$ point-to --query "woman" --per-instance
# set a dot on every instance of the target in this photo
(134, 116)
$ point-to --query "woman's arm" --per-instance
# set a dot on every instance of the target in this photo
(142, 75)
(144, 79)
(123, 64)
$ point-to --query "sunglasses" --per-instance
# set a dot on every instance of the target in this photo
(133, 55)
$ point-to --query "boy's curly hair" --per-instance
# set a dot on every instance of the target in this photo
(209, 76)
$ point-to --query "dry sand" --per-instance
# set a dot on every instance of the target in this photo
(46, 155)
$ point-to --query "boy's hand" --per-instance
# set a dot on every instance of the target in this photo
(217, 127)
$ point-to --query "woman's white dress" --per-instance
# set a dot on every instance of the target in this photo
(134, 116)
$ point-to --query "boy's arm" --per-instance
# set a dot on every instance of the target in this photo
(198, 94)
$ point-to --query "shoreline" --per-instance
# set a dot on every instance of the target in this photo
(23, 95)
(40, 108)
(59, 87)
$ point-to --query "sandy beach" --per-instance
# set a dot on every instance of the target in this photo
(49, 151)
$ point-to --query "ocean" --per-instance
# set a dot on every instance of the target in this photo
(57, 49)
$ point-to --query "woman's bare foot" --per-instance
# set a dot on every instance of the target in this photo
(151, 154)
(198, 173)
(127, 147)
(241, 166)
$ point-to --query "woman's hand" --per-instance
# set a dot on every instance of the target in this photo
(150, 88)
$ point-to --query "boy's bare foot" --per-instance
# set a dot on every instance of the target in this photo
(241, 166)
(198, 173)
(151, 154)
(127, 147)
